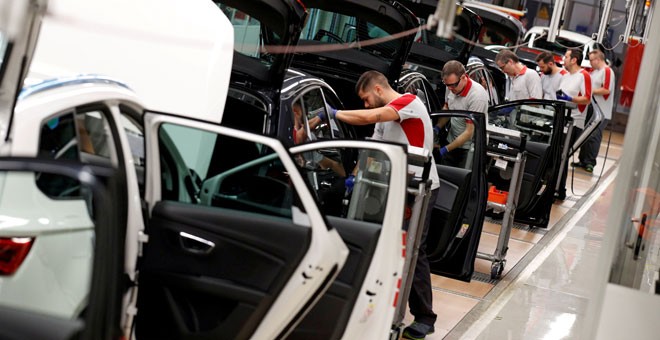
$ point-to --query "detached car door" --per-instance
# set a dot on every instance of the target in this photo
(458, 212)
(236, 247)
(360, 302)
(543, 122)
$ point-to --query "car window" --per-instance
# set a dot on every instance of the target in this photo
(434, 77)
(337, 28)
(250, 35)
(84, 135)
(203, 168)
(135, 136)
(483, 77)
(363, 199)
(536, 121)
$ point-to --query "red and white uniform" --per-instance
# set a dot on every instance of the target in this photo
(575, 85)
(525, 85)
(414, 127)
(550, 84)
(604, 78)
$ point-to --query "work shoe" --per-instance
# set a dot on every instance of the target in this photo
(588, 168)
(578, 164)
(417, 331)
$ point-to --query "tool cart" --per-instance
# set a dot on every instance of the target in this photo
(506, 148)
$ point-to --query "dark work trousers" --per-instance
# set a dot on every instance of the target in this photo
(590, 148)
(421, 296)
(562, 184)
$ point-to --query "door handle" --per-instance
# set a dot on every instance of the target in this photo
(195, 244)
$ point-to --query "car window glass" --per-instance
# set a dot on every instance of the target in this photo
(481, 76)
(337, 28)
(204, 168)
(363, 199)
(310, 117)
(434, 77)
(250, 35)
(83, 135)
(135, 136)
(536, 121)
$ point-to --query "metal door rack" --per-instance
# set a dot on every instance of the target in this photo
(419, 189)
(505, 146)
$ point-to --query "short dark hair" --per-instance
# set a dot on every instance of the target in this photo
(598, 54)
(503, 56)
(546, 57)
(453, 67)
(576, 53)
(370, 78)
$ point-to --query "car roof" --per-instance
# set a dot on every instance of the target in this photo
(570, 35)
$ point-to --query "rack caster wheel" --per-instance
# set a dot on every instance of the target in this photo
(496, 269)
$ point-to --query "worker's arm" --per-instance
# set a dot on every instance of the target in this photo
(367, 116)
(465, 136)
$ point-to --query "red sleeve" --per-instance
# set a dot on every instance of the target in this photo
(587, 84)
(401, 102)
(608, 80)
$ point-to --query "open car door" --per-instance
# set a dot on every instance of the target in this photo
(458, 213)
(369, 217)
(93, 204)
(236, 248)
(543, 122)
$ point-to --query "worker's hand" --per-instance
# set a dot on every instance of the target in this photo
(349, 182)
(505, 110)
(563, 96)
(436, 129)
(443, 151)
(331, 111)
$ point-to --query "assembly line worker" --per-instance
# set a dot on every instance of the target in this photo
(602, 82)
(463, 94)
(575, 87)
(403, 119)
(552, 74)
(521, 82)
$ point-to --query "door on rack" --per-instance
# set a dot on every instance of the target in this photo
(542, 121)
(369, 218)
(458, 212)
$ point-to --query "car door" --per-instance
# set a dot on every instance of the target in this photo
(95, 204)
(458, 213)
(543, 121)
(360, 302)
(481, 74)
(237, 251)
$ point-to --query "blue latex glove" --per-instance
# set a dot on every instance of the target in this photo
(443, 151)
(349, 182)
(331, 111)
(563, 96)
(436, 129)
(506, 110)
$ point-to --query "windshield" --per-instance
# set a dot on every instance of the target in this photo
(559, 47)
(336, 28)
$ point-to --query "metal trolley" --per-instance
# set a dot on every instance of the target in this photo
(419, 188)
(505, 147)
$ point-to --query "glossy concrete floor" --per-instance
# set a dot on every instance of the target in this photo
(549, 302)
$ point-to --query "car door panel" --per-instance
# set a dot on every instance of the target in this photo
(538, 119)
(372, 235)
(458, 212)
(242, 251)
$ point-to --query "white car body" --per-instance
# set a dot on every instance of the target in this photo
(587, 43)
